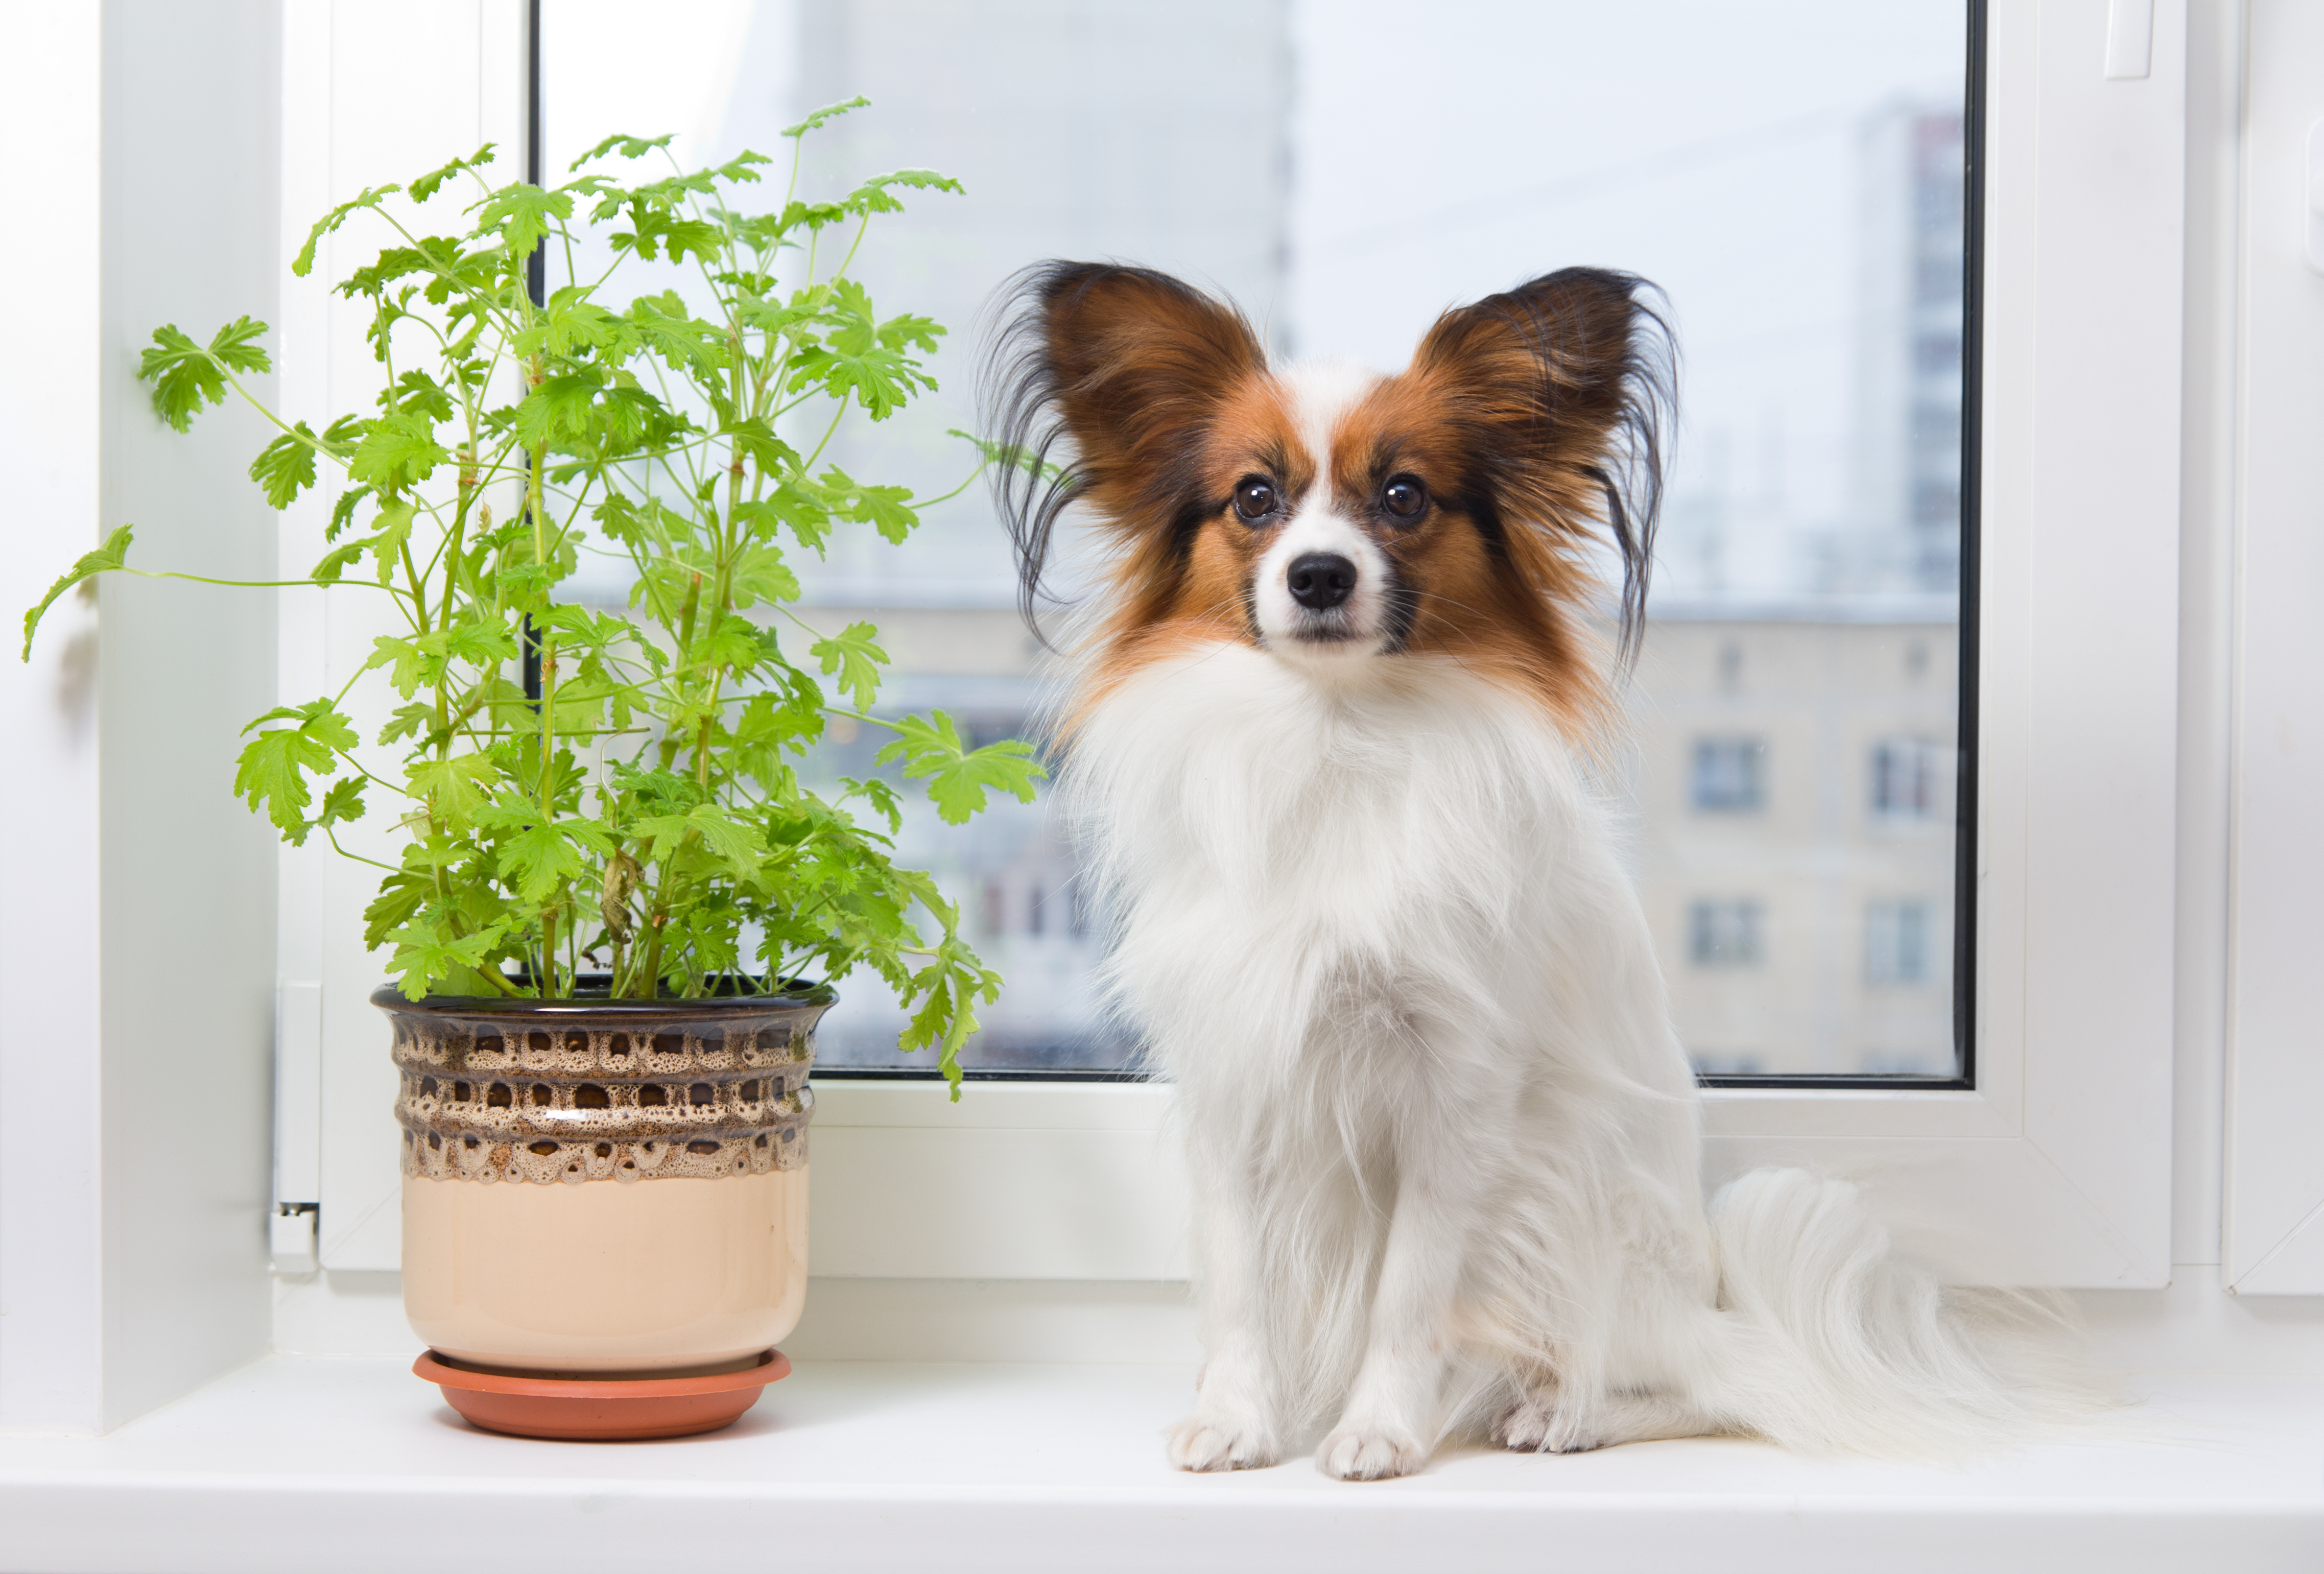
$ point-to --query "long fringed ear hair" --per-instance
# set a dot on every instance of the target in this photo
(1569, 382)
(1129, 364)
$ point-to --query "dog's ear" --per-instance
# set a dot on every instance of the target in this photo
(1566, 385)
(1129, 363)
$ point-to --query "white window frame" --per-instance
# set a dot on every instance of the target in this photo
(2055, 1169)
(2273, 1234)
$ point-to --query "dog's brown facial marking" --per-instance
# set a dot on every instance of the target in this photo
(1415, 475)
(1189, 583)
(1255, 474)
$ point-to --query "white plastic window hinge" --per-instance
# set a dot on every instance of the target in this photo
(2130, 40)
(291, 1238)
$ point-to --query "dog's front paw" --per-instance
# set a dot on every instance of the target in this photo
(1370, 1453)
(1217, 1443)
(1537, 1426)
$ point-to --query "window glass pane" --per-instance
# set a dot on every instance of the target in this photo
(1790, 173)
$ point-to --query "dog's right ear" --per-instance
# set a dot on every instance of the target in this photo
(1131, 364)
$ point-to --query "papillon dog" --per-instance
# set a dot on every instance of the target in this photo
(1333, 750)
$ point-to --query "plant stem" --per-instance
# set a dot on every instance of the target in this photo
(649, 975)
(669, 742)
(534, 502)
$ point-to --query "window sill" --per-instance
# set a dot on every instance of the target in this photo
(297, 1463)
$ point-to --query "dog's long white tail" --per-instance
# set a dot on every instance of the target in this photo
(1848, 1349)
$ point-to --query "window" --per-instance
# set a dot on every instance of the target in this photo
(1896, 936)
(1723, 933)
(1907, 777)
(1814, 525)
(1727, 773)
(2070, 888)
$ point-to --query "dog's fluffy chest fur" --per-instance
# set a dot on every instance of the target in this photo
(1355, 878)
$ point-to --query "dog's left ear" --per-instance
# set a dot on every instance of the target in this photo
(1566, 385)
(1127, 365)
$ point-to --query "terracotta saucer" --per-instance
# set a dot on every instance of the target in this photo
(580, 1410)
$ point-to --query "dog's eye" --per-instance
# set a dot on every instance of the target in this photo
(1403, 496)
(1254, 497)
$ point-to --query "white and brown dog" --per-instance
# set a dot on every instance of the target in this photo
(1328, 751)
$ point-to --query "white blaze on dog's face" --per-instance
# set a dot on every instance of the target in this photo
(1333, 518)
(1323, 588)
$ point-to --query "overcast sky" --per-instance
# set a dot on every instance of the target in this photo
(1441, 151)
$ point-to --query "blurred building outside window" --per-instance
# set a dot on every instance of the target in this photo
(1790, 173)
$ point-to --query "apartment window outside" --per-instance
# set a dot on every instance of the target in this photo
(1907, 777)
(1728, 777)
(1724, 934)
(1898, 944)
(1795, 173)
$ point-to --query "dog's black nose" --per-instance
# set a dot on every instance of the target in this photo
(1322, 580)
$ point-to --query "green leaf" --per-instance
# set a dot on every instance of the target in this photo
(232, 346)
(880, 795)
(107, 558)
(398, 451)
(421, 660)
(426, 185)
(342, 511)
(855, 656)
(335, 562)
(183, 378)
(653, 229)
(410, 720)
(756, 439)
(558, 409)
(875, 196)
(760, 575)
(738, 169)
(522, 214)
(542, 860)
(394, 529)
(570, 323)
(399, 897)
(632, 147)
(453, 788)
(958, 776)
(186, 376)
(828, 112)
(343, 801)
(425, 955)
(285, 467)
(417, 393)
(273, 770)
(1009, 457)
(882, 506)
(953, 982)
(304, 260)
(731, 841)
(683, 341)
(800, 505)
(855, 360)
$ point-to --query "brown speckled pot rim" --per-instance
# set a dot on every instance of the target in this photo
(817, 998)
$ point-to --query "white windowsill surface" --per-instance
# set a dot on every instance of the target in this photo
(350, 1463)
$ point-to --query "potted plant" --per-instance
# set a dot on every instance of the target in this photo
(616, 910)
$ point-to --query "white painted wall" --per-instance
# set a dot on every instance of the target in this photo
(136, 922)
(49, 74)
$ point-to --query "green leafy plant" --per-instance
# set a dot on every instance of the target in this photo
(639, 811)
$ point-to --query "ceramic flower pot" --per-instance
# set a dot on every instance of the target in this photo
(604, 1189)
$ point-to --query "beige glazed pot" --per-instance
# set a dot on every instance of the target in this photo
(604, 1188)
